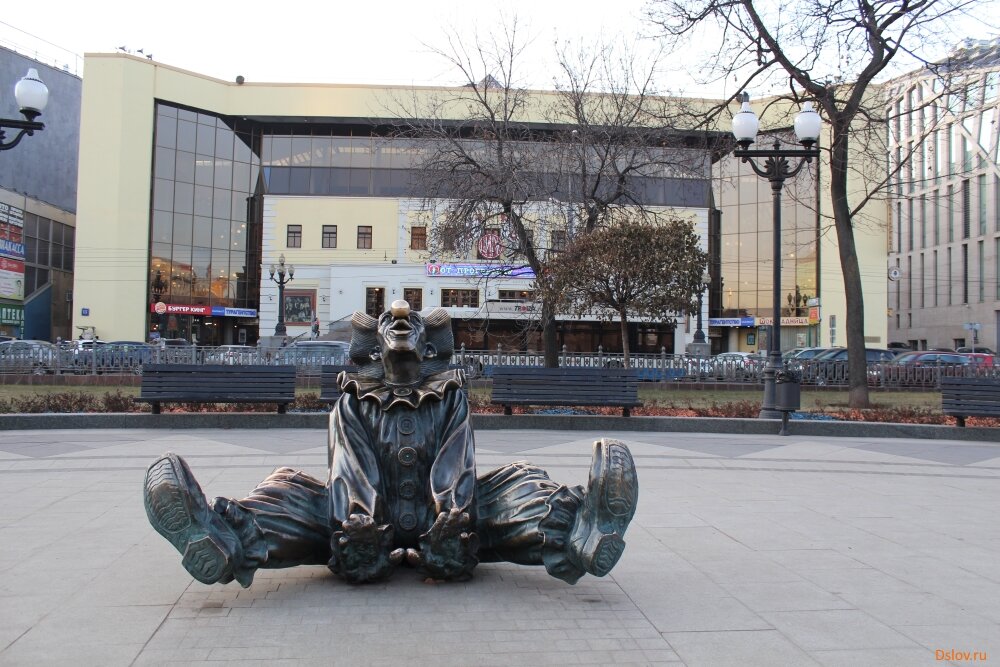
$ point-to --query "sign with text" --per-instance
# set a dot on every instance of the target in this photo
(730, 321)
(478, 271)
(161, 308)
(785, 321)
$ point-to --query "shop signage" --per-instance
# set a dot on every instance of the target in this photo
(11, 215)
(785, 321)
(489, 245)
(161, 308)
(10, 314)
(220, 311)
(478, 271)
(814, 315)
(519, 308)
(730, 322)
(177, 309)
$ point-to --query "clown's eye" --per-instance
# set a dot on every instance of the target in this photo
(385, 317)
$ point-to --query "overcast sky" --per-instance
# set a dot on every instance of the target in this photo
(332, 42)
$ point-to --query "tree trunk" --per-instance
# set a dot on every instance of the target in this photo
(550, 343)
(857, 366)
(624, 321)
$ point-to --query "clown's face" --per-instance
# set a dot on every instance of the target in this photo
(402, 332)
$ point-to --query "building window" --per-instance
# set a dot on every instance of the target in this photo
(981, 274)
(965, 273)
(293, 236)
(415, 297)
(329, 236)
(460, 298)
(966, 213)
(949, 276)
(936, 205)
(364, 237)
(923, 303)
(949, 202)
(374, 300)
(909, 224)
(923, 221)
(935, 280)
(981, 183)
(516, 295)
(558, 240)
(418, 238)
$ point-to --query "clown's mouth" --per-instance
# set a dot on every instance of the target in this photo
(400, 329)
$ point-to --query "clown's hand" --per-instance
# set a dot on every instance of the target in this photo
(361, 550)
(448, 550)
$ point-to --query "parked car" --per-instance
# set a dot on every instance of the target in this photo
(232, 355)
(315, 353)
(736, 366)
(975, 348)
(28, 356)
(925, 367)
(831, 367)
(126, 355)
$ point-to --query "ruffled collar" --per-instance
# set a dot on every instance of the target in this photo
(375, 389)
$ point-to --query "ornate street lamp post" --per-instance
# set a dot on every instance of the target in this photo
(31, 95)
(776, 169)
(285, 276)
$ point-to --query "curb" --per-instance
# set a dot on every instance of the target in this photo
(319, 420)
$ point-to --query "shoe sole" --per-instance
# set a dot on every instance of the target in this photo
(615, 486)
(171, 514)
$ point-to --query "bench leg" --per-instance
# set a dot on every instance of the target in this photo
(156, 408)
(282, 407)
(507, 410)
(960, 421)
(626, 412)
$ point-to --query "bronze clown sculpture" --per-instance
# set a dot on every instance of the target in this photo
(402, 484)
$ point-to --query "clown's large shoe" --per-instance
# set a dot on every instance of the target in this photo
(596, 542)
(178, 510)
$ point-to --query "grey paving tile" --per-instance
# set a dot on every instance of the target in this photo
(736, 649)
(835, 630)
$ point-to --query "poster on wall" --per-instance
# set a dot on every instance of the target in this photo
(11, 279)
(300, 304)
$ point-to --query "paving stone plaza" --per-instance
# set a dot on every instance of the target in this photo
(745, 550)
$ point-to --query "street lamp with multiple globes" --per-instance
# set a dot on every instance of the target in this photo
(285, 276)
(775, 168)
(31, 95)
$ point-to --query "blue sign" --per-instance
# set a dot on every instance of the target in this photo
(730, 322)
(85, 312)
(220, 311)
(11, 249)
(478, 271)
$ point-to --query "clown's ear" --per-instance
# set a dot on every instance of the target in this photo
(437, 318)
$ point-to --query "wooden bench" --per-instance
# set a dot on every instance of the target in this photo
(970, 397)
(568, 386)
(329, 390)
(210, 383)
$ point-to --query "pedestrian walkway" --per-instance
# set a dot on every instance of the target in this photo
(745, 550)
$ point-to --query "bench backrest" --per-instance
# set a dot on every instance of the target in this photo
(329, 390)
(217, 383)
(970, 395)
(565, 386)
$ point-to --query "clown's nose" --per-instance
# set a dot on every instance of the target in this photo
(399, 309)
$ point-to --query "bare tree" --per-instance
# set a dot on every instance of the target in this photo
(634, 268)
(832, 52)
(535, 166)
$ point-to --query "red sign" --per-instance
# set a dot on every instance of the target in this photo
(489, 246)
(178, 309)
